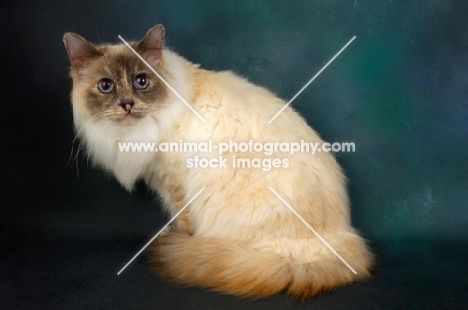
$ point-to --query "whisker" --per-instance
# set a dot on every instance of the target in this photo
(98, 124)
(159, 110)
(98, 129)
(75, 158)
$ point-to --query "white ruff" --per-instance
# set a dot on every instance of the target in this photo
(102, 145)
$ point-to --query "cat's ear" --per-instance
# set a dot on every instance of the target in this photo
(79, 50)
(153, 42)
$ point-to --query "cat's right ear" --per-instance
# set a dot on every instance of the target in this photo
(79, 50)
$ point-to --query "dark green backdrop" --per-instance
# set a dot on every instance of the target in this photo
(399, 92)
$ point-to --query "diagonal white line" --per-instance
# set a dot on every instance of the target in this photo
(162, 229)
(162, 79)
(313, 230)
(311, 80)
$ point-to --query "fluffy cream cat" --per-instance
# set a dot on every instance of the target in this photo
(237, 236)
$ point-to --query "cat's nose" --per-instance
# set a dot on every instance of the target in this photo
(127, 104)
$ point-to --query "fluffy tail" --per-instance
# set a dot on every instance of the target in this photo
(233, 268)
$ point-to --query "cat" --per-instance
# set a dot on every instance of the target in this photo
(237, 236)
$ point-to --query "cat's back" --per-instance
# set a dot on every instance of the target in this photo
(226, 89)
(242, 106)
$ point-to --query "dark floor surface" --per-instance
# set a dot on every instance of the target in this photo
(37, 273)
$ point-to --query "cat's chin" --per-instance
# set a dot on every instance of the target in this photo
(129, 119)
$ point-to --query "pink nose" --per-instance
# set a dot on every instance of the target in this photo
(127, 104)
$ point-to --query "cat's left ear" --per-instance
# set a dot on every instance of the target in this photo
(153, 42)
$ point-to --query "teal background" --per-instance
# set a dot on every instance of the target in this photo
(399, 92)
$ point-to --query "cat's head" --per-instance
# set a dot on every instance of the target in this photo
(111, 84)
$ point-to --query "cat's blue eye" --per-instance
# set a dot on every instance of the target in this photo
(105, 85)
(141, 81)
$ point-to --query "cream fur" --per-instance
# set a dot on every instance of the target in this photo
(236, 237)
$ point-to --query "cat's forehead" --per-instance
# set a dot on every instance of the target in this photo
(120, 58)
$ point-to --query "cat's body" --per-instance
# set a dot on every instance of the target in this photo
(237, 236)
